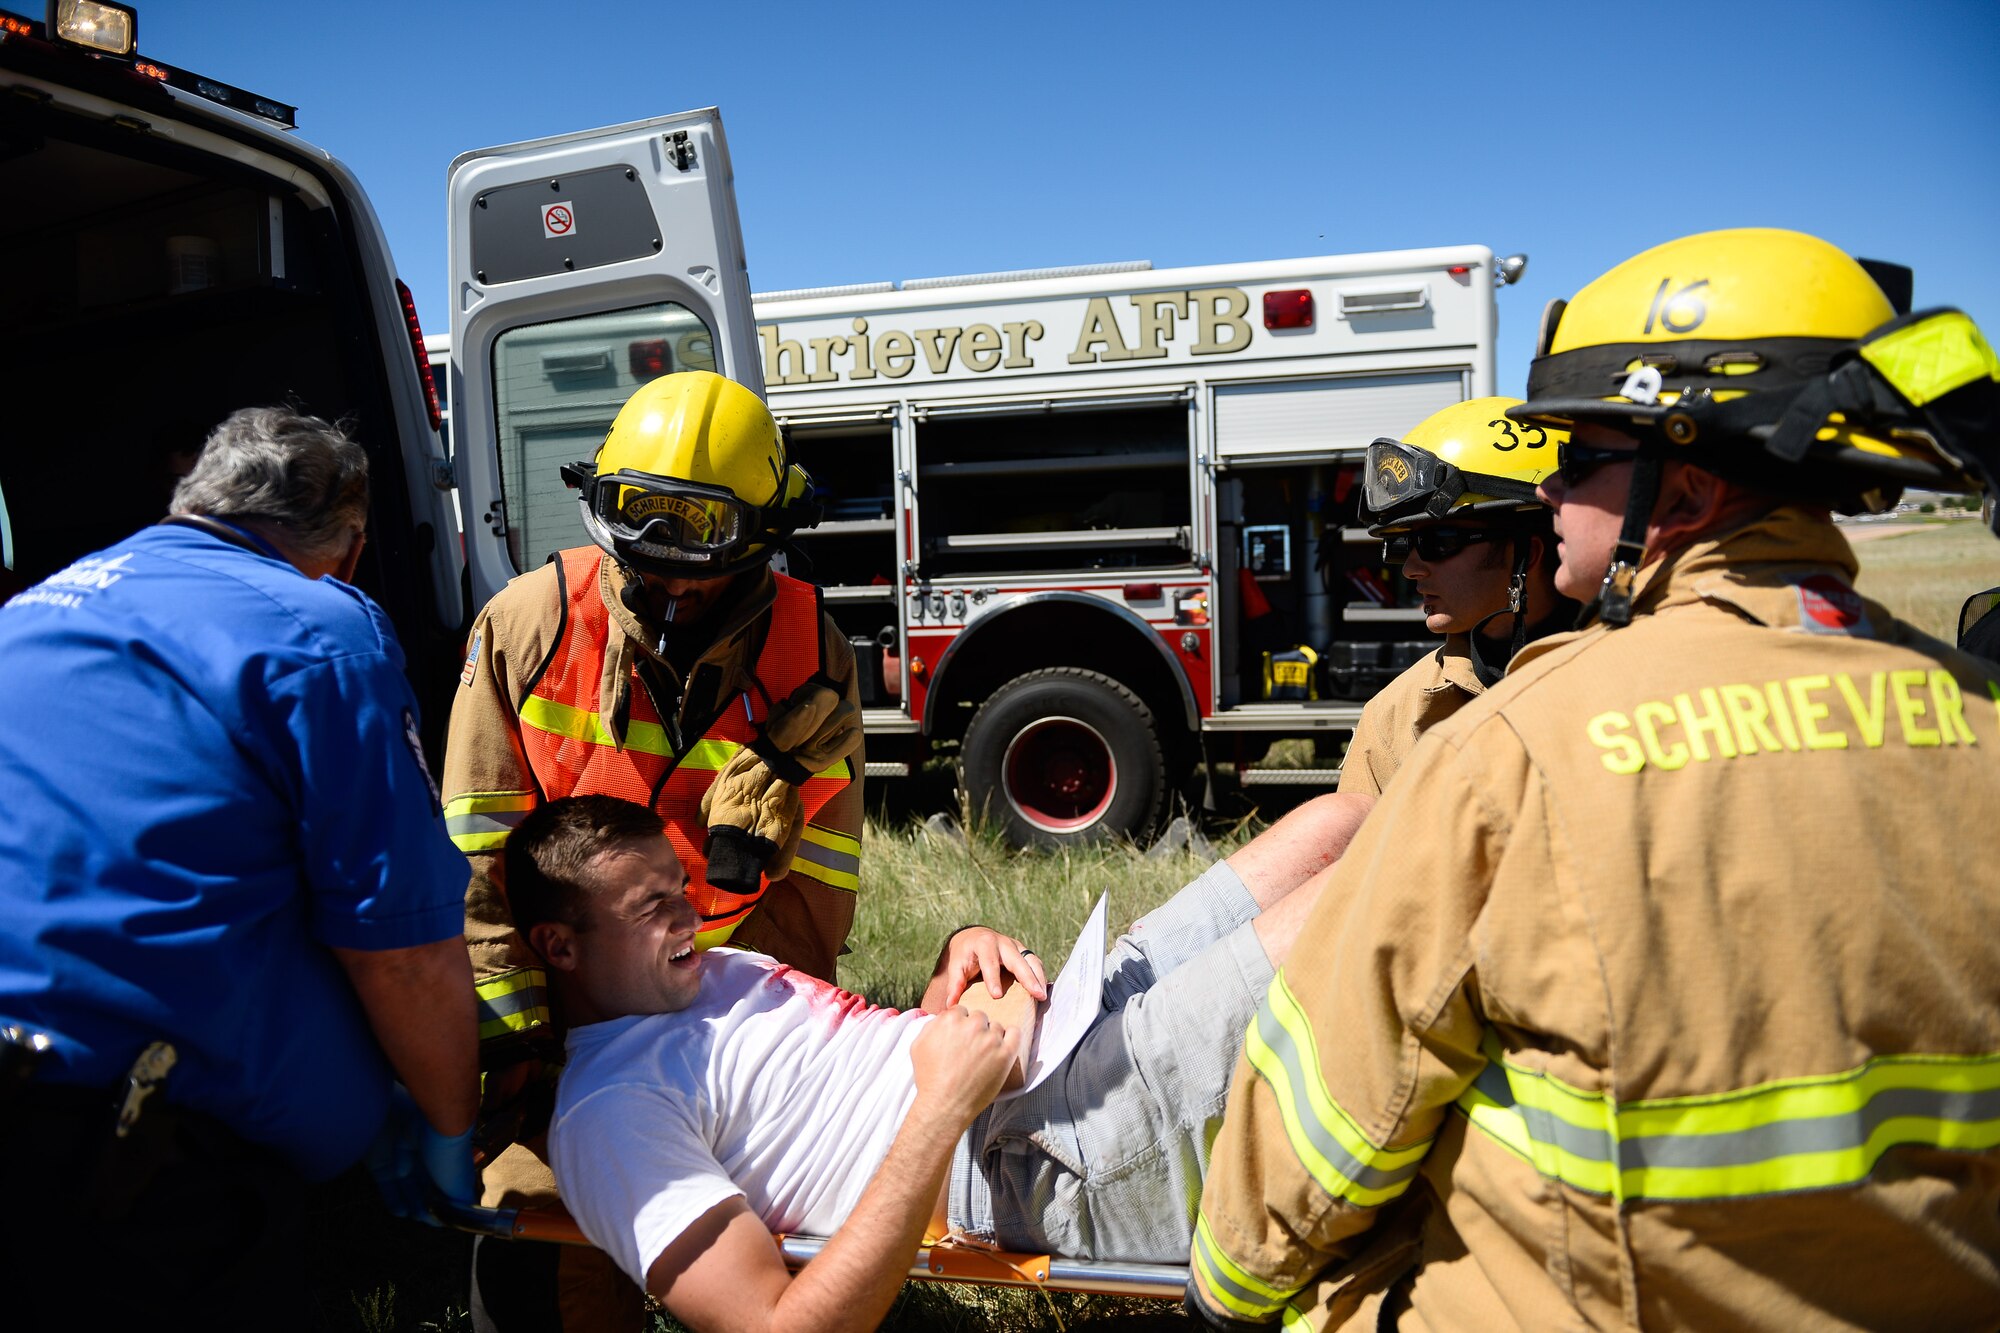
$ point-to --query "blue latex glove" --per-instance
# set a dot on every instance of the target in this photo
(447, 1161)
(408, 1158)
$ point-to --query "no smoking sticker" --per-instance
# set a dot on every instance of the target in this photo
(558, 220)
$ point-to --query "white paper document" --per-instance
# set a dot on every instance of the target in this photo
(1075, 1002)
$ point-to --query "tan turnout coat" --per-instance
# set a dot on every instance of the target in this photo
(1661, 991)
(1430, 690)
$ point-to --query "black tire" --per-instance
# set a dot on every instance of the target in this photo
(1062, 756)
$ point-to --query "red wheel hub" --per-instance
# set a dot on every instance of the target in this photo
(1059, 774)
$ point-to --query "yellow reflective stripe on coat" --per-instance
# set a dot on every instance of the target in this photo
(480, 821)
(1811, 1133)
(834, 859)
(513, 1001)
(1565, 1133)
(580, 724)
(1329, 1145)
(1227, 1285)
(704, 940)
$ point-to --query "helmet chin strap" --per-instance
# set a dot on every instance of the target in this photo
(1613, 603)
(1517, 606)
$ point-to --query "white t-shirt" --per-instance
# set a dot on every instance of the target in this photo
(772, 1085)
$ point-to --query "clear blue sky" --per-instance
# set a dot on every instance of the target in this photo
(885, 140)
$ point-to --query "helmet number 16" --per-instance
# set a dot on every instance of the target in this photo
(1681, 312)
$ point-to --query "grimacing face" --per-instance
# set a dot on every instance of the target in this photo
(635, 943)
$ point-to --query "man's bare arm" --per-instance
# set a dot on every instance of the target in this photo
(419, 1003)
(725, 1275)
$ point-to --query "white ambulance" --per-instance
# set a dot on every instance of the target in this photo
(1090, 526)
(207, 258)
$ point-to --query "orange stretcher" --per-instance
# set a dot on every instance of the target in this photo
(934, 1262)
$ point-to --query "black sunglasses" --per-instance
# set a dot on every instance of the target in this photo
(1577, 463)
(1434, 544)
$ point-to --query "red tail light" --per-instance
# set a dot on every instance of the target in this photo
(1291, 309)
(647, 357)
(423, 358)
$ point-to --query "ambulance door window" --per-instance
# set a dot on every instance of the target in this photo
(556, 388)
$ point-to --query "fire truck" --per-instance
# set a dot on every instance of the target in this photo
(1094, 529)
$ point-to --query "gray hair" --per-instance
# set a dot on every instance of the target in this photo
(278, 466)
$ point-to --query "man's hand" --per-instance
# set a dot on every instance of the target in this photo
(960, 1060)
(979, 953)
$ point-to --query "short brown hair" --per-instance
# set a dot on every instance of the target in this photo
(549, 854)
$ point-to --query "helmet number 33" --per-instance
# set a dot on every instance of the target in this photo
(1678, 312)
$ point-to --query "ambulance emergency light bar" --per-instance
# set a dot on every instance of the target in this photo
(108, 33)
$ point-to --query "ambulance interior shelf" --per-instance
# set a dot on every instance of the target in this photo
(1296, 567)
(1070, 487)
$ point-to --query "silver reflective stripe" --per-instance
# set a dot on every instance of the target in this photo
(814, 854)
(1825, 1133)
(514, 1002)
(1366, 1177)
(1591, 1145)
(496, 821)
(1816, 1132)
(1214, 1268)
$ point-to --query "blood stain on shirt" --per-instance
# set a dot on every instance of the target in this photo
(826, 1000)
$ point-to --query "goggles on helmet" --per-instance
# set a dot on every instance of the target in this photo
(1401, 481)
(698, 530)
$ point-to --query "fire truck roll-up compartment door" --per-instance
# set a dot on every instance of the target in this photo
(1302, 578)
(581, 267)
(1322, 416)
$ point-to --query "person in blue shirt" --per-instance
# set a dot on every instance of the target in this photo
(218, 832)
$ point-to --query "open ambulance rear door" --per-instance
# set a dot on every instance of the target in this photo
(581, 266)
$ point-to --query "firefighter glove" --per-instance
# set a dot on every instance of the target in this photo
(753, 810)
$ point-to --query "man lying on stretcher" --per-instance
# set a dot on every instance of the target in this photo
(711, 1099)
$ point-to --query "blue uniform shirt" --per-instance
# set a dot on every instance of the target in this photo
(209, 772)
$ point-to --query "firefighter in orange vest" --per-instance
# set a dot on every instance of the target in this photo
(668, 664)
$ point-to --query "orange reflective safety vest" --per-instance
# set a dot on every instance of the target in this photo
(571, 751)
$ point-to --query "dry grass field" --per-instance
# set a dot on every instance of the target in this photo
(1925, 573)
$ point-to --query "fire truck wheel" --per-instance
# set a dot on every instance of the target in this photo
(1064, 755)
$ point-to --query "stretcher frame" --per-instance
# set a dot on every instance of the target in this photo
(931, 1263)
